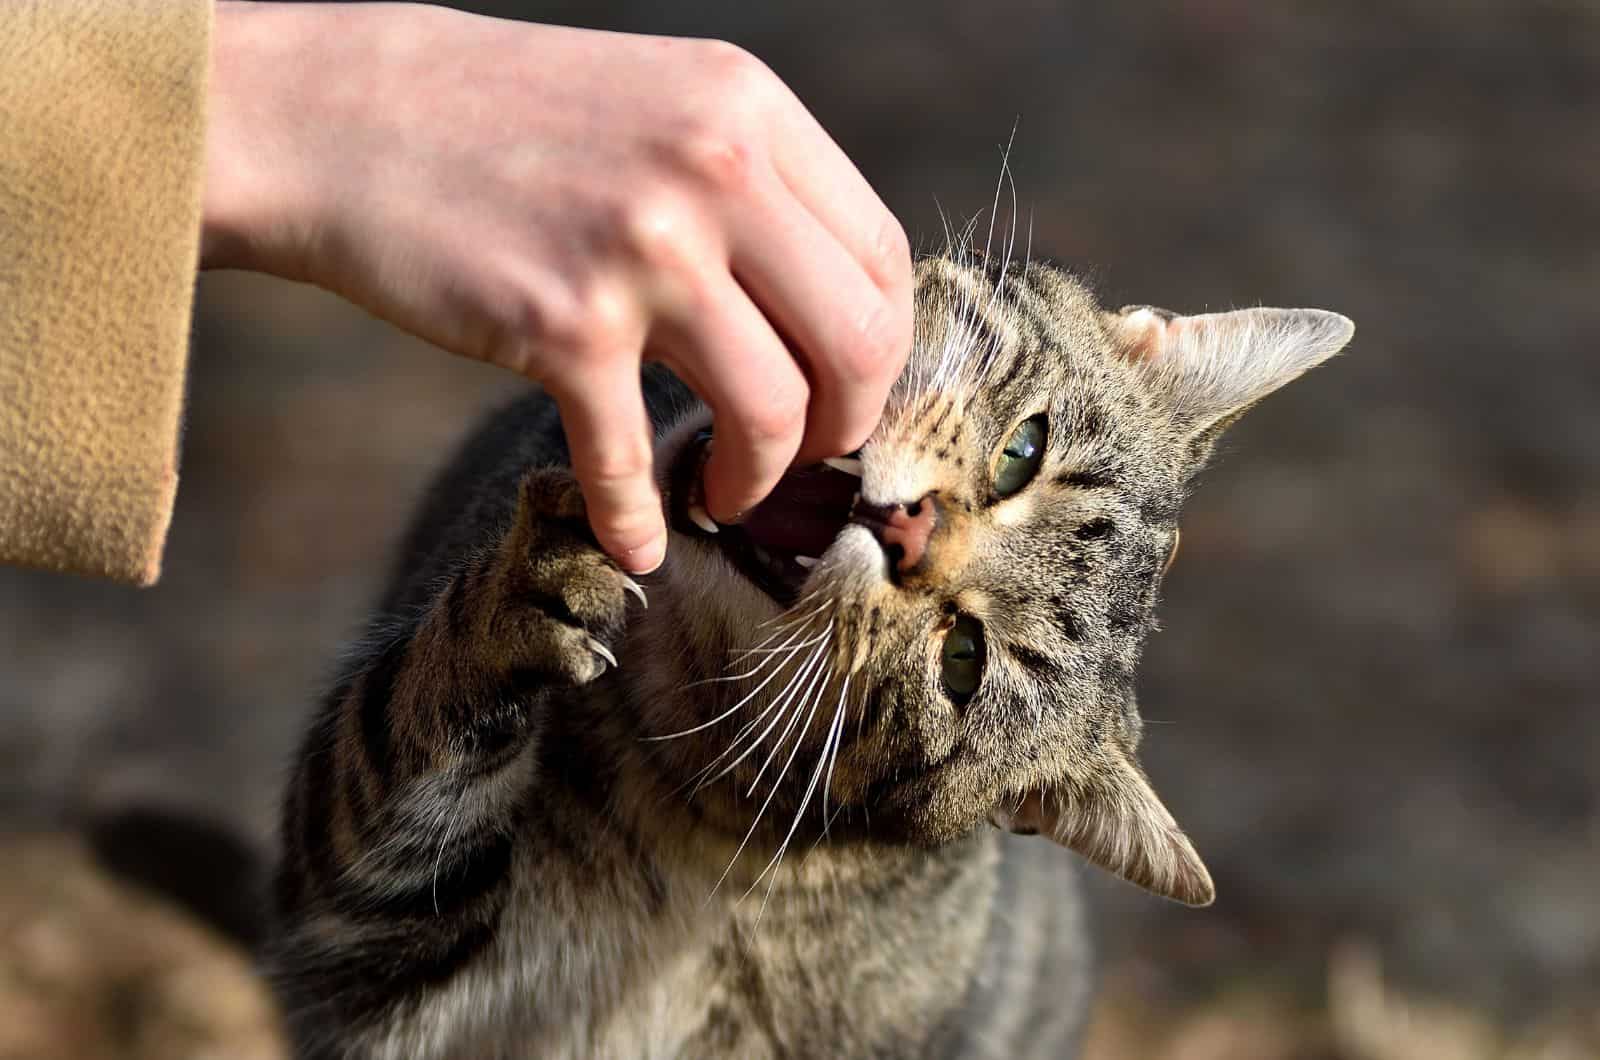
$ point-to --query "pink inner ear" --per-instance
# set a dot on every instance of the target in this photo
(1144, 334)
(1025, 818)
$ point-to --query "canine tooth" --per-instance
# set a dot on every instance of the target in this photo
(807, 561)
(848, 464)
(701, 518)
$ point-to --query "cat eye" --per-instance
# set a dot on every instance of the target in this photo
(961, 658)
(1020, 459)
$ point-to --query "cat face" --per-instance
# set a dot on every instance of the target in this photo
(942, 630)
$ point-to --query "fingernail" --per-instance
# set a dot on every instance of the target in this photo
(646, 558)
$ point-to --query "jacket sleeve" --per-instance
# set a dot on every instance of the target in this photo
(102, 106)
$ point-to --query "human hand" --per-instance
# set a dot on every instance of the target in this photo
(564, 203)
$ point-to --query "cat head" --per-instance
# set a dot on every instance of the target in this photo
(942, 629)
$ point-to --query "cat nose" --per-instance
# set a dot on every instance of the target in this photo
(902, 529)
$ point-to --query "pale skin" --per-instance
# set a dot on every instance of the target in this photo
(567, 203)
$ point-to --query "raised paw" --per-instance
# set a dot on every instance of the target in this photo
(560, 603)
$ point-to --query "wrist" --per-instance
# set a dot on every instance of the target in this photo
(258, 184)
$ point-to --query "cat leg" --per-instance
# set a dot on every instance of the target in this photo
(402, 816)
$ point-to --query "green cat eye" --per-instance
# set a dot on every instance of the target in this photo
(961, 658)
(1020, 459)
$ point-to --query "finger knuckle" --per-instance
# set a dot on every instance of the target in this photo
(601, 322)
(617, 465)
(715, 157)
(779, 419)
(735, 71)
(657, 229)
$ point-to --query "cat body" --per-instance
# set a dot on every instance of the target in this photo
(759, 805)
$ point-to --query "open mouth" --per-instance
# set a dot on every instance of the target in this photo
(781, 539)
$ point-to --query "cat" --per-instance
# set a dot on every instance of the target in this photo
(758, 805)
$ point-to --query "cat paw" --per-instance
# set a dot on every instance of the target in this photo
(564, 601)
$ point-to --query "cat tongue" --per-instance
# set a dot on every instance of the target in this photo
(804, 512)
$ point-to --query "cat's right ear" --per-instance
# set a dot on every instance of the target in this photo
(1208, 369)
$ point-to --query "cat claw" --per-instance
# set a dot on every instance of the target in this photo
(604, 653)
(637, 590)
(701, 518)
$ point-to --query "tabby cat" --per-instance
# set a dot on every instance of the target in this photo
(757, 805)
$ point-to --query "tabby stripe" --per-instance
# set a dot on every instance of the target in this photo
(362, 982)
(457, 601)
(463, 877)
(377, 691)
(1018, 363)
(1069, 622)
(1086, 480)
(491, 737)
(1036, 662)
(1090, 422)
(317, 772)
(551, 604)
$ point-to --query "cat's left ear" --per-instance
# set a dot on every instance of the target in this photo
(1115, 820)
(1210, 368)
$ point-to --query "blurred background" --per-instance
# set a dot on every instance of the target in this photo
(1375, 696)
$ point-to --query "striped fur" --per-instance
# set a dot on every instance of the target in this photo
(537, 818)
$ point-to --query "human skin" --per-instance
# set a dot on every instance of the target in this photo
(566, 203)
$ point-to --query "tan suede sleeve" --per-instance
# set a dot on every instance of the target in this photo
(102, 107)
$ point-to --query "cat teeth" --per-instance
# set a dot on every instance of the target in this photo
(604, 653)
(701, 518)
(637, 590)
(848, 464)
(807, 561)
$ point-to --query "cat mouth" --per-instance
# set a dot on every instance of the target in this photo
(779, 541)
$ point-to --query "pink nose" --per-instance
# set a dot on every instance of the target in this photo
(905, 528)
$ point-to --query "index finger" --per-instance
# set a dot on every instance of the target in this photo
(608, 433)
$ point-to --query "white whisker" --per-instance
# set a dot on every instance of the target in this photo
(776, 784)
(805, 801)
(748, 697)
(776, 705)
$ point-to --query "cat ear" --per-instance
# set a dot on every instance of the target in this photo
(1117, 822)
(1210, 368)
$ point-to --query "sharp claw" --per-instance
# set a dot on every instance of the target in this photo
(701, 518)
(636, 589)
(604, 653)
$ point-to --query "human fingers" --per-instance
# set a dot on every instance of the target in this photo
(729, 354)
(822, 177)
(850, 336)
(608, 433)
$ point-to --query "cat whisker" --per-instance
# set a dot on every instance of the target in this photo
(788, 619)
(805, 801)
(762, 665)
(771, 794)
(827, 784)
(811, 695)
(777, 706)
(438, 858)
